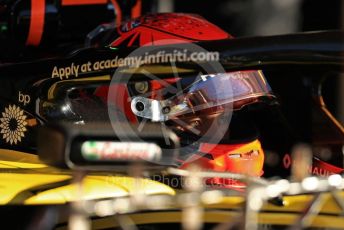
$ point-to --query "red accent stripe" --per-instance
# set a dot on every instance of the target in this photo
(118, 12)
(133, 39)
(36, 22)
(317, 163)
(82, 2)
(136, 10)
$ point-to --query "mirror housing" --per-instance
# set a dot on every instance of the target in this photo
(98, 146)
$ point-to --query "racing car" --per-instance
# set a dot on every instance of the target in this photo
(224, 114)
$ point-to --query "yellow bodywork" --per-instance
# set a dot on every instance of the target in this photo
(26, 180)
(218, 217)
(230, 210)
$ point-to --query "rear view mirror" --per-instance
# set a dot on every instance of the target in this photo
(98, 146)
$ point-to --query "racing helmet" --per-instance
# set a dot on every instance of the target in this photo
(210, 118)
(203, 104)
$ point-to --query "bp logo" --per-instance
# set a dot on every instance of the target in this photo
(13, 124)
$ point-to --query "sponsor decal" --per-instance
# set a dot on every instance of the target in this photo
(74, 70)
(24, 98)
(110, 150)
(319, 168)
(13, 124)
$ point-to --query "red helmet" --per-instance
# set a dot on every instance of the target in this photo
(202, 103)
(159, 29)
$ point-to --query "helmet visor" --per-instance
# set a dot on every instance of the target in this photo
(234, 90)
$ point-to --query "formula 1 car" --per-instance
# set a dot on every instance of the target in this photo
(80, 88)
(191, 80)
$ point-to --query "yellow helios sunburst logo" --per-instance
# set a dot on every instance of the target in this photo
(13, 124)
